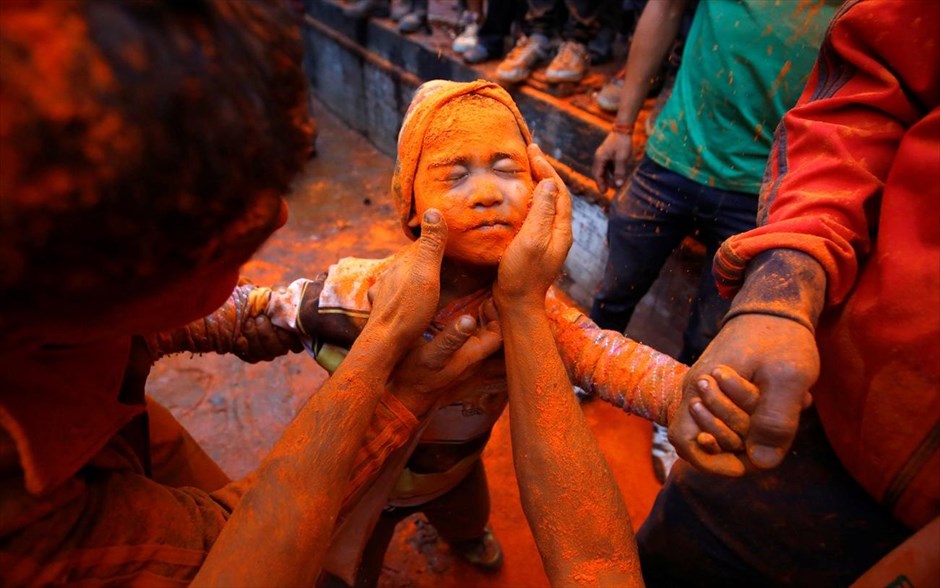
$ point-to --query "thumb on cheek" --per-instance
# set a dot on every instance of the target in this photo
(433, 237)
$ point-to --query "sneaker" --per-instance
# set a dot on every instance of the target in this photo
(413, 22)
(528, 52)
(609, 97)
(570, 65)
(468, 36)
(484, 553)
(664, 454)
(476, 54)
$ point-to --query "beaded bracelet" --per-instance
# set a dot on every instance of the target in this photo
(622, 128)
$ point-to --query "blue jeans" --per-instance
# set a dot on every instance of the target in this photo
(547, 17)
(805, 523)
(647, 221)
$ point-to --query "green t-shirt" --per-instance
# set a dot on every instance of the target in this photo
(744, 65)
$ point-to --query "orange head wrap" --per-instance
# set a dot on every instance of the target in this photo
(428, 99)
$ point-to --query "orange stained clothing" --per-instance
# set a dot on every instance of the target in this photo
(854, 181)
(449, 441)
(604, 363)
(99, 485)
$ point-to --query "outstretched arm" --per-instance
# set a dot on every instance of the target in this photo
(242, 326)
(569, 496)
(288, 514)
(768, 338)
(617, 369)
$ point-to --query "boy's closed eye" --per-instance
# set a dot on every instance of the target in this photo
(508, 167)
(456, 173)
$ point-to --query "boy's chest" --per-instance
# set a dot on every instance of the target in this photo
(470, 408)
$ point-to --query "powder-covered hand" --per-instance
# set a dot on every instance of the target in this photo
(262, 341)
(611, 161)
(536, 255)
(432, 368)
(779, 357)
(405, 296)
(723, 410)
(240, 326)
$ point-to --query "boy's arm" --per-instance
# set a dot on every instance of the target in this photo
(634, 377)
(242, 326)
(298, 490)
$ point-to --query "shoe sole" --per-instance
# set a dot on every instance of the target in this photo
(513, 77)
(489, 567)
(606, 106)
(560, 78)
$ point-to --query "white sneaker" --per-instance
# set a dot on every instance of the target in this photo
(467, 38)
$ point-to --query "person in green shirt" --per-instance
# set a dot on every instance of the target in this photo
(744, 64)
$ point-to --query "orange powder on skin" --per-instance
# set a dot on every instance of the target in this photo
(578, 469)
(474, 169)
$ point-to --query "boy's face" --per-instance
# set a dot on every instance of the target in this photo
(475, 170)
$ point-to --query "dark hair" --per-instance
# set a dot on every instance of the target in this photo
(133, 133)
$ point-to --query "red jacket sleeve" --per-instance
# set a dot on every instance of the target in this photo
(834, 149)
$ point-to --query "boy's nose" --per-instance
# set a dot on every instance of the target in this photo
(486, 193)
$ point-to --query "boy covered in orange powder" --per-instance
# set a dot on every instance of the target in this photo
(464, 150)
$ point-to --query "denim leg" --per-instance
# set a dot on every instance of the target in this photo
(497, 24)
(543, 17)
(646, 222)
(582, 23)
(806, 523)
(718, 215)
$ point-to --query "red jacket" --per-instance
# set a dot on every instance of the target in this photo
(854, 181)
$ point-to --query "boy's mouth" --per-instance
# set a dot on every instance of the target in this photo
(490, 223)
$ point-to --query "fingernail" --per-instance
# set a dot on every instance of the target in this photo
(550, 187)
(763, 455)
(697, 407)
(618, 183)
(702, 385)
(466, 324)
(432, 216)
